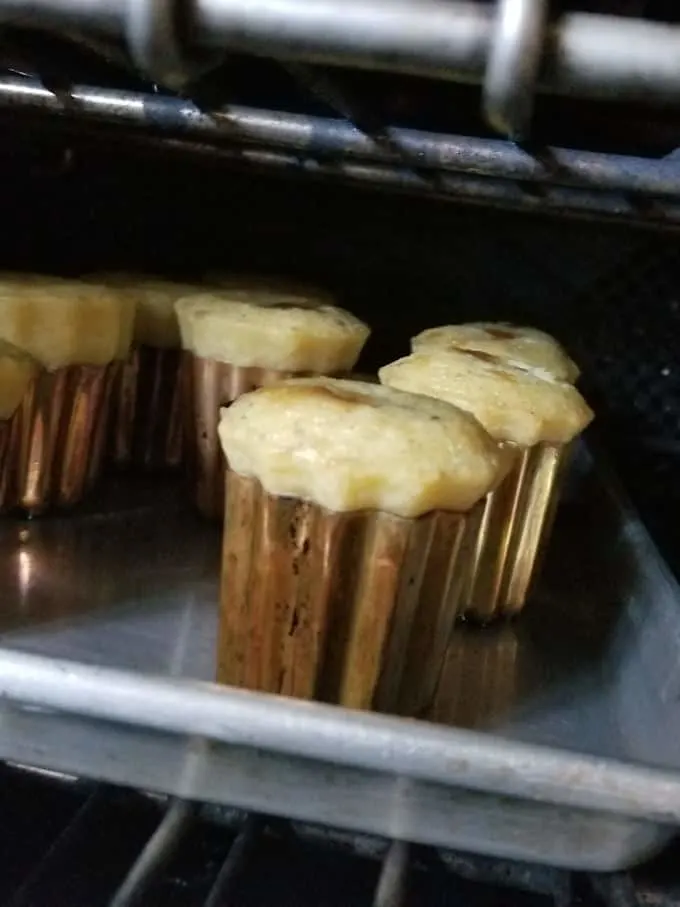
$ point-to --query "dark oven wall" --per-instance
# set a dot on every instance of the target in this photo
(609, 292)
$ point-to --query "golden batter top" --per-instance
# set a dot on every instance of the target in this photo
(512, 404)
(349, 445)
(65, 322)
(271, 329)
(523, 347)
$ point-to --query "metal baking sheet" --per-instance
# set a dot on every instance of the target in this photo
(553, 739)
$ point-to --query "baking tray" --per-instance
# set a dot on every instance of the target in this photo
(555, 739)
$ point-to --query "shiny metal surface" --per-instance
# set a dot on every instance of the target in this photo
(589, 55)
(245, 844)
(174, 825)
(301, 132)
(510, 532)
(152, 34)
(515, 54)
(52, 448)
(148, 429)
(110, 621)
(577, 182)
(391, 890)
(207, 386)
(347, 606)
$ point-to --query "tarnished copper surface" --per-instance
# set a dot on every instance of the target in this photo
(545, 471)
(481, 678)
(147, 423)
(52, 449)
(207, 386)
(321, 605)
(436, 614)
(508, 532)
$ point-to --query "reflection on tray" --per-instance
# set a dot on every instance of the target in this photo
(51, 570)
(545, 676)
(481, 679)
(136, 546)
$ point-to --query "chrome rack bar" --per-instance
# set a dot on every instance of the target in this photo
(159, 848)
(489, 171)
(338, 138)
(476, 190)
(391, 889)
(585, 55)
(235, 861)
(513, 65)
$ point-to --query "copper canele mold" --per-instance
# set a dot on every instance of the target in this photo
(147, 421)
(52, 449)
(348, 608)
(508, 533)
(207, 386)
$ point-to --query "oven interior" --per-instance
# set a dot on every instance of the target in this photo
(596, 264)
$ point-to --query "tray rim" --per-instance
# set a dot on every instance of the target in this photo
(383, 744)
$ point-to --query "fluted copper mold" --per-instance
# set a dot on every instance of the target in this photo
(436, 615)
(509, 531)
(52, 449)
(147, 423)
(322, 605)
(207, 386)
(481, 678)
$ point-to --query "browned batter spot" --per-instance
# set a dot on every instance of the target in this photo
(482, 356)
(298, 304)
(342, 395)
(321, 391)
(501, 333)
(496, 363)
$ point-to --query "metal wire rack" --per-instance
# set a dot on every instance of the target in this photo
(509, 46)
(512, 47)
(105, 846)
(488, 171)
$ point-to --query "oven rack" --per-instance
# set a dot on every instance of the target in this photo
(512, 47)
(485, 171)
(159, 829)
